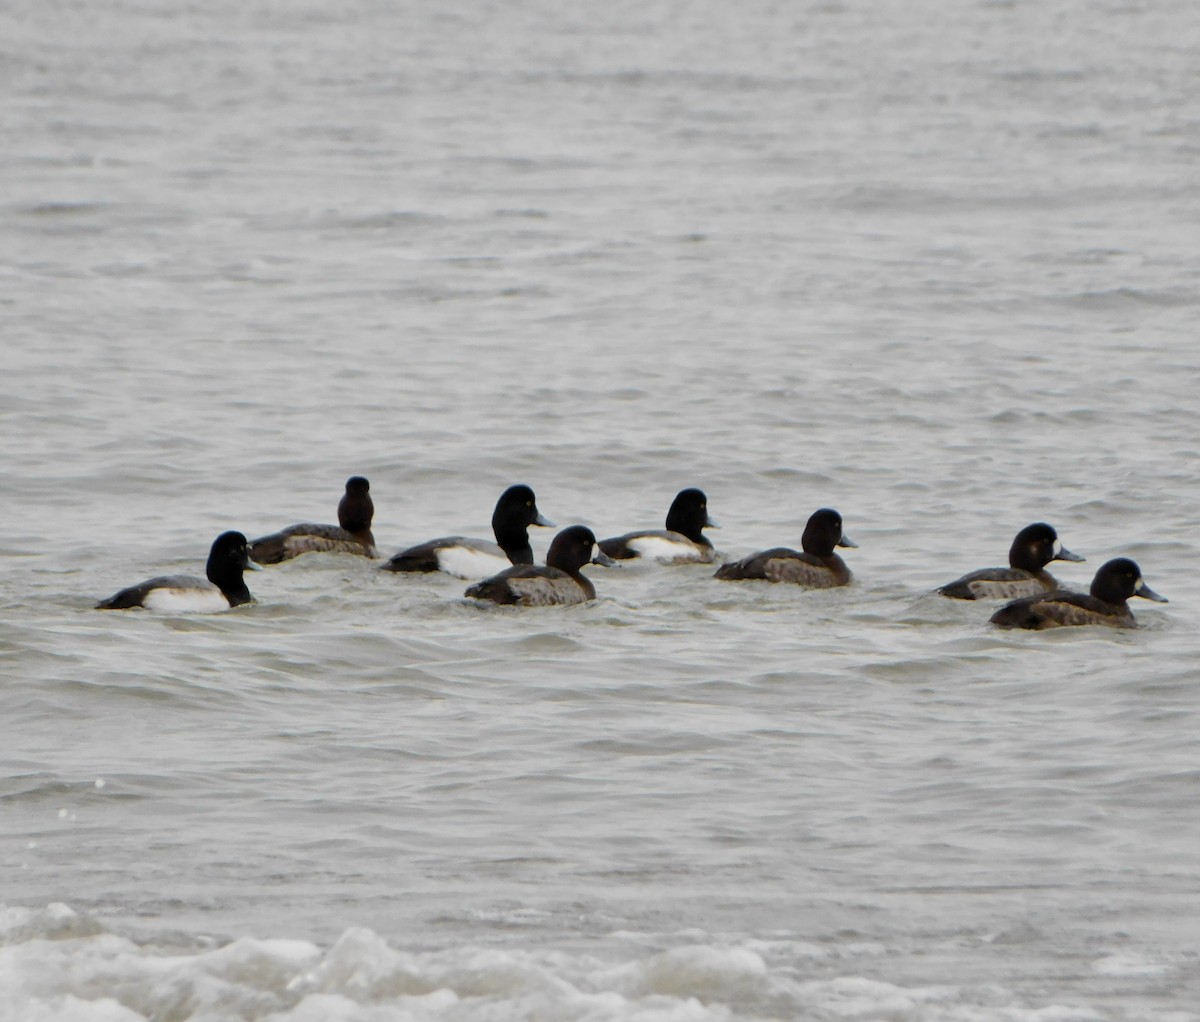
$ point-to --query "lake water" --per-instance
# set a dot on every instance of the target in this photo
(932, 264)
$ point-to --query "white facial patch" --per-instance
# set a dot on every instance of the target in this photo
(1057, 547)
(1139, 585)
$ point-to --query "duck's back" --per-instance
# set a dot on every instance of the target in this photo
(172, 593)
(1063, 608)
(782, 564)
(999, 584)
(310, 538)
(456, 555)
(659, 545)
(531, 586)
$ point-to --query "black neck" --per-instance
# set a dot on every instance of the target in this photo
(237, 595)
(519, 552)
(355, 513)
(687, 524)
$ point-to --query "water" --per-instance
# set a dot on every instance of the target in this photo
(933, 265)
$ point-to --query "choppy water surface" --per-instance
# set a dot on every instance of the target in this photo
(933, 265)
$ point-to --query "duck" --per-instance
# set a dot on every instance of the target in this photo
(1105, 603)
(223, 588)
(818, 567)
(515, 512)
(352, 534)
(1034, 547)
(681, 542)
(559, 583)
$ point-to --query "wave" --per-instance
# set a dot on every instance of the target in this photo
(58, 964)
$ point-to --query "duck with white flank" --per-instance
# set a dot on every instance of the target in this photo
(516, 511)
(224, 587)
(681, 542)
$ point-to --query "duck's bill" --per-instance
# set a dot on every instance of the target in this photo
(603, 559)
(711, 523)
(252, 565)
(1065, 555)
(1146, 593)
(846, 541)
(543, 521)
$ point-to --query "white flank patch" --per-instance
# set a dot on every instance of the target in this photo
(661, 549)
(467, 562)
(186, 601)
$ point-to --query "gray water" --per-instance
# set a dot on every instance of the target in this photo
(934, 265)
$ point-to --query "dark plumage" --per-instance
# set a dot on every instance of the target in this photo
(559, 583)
(1115, 582)
(818, 567)
(352, 534)
(224, 587)
(682, 540)
(1034, 547)
(515, 512)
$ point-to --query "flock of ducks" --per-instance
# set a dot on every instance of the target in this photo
(510, 576)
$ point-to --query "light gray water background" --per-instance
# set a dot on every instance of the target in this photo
(934, 264)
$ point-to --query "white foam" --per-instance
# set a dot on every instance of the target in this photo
(69, 1009)
(701, 970)
(1129, 965)
(58, 965)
